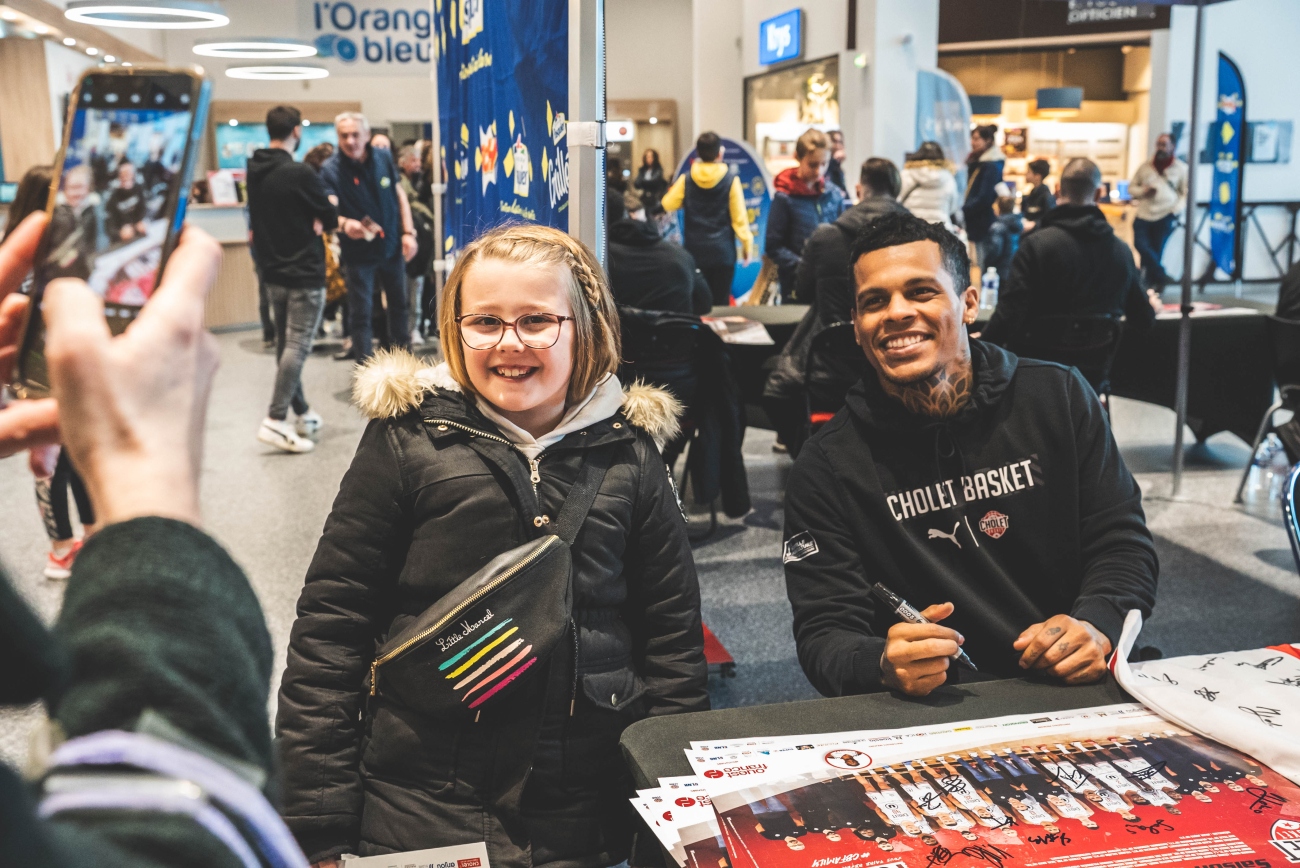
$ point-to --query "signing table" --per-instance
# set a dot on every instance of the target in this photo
(654, 747)
(1231, 381)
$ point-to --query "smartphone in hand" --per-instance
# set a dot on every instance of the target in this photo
(373, 229)
(117, 202)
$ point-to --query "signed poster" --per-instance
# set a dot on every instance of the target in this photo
(1117, 788)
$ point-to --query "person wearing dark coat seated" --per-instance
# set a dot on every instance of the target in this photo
(1071, 264)
(649, 272)
(1288, 295)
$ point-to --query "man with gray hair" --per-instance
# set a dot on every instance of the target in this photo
(1071, 264)
(376, 233)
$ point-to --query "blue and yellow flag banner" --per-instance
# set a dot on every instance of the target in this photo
(1227, 136)
(503, 96)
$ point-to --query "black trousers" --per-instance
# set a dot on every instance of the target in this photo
(719, 278)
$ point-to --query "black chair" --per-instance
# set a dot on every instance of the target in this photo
(1088, 342)
(1284, 338)
(662, 349)
(835, 364)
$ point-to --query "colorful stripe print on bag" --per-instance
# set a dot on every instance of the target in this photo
(497, 628)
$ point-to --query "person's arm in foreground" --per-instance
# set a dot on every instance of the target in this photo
(157, 620)
(740, 220)
(828, 586)
(1119, 556)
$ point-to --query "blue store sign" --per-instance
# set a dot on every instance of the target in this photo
(758, 202)
(1227, 137)
(781, 37)
(503, 97)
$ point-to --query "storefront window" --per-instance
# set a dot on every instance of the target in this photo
(781, 104)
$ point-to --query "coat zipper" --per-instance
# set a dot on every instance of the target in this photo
(450, 616)
(534, 464)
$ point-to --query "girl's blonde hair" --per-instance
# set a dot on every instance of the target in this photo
(597, 344)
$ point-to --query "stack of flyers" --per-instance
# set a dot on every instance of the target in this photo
(1115, 786)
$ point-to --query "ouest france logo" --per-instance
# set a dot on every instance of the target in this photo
(372, 33)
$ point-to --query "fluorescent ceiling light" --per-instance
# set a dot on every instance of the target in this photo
(146, 15)
(277, 73)
(41, 29)
(9, 15)
(69, 41)
(108, 58)
(92, 51)
(257, 49)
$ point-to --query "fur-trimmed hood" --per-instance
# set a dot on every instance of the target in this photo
(395, 382)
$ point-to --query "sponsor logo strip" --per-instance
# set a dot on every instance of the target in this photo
(477, 642)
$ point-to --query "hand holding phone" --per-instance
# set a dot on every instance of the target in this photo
(118, 199)
(373, 229)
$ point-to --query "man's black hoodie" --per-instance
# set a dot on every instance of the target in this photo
(284, 198)
(1016, 509)
(1072, 263)
(648, 272)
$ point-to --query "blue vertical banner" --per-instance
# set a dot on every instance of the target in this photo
(1227, 143)
(503, 96)
(943, 115)
(757, 185)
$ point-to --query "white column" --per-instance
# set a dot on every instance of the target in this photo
(717, 75)
(896, 38)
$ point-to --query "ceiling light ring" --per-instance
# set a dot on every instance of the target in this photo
(256, 48)
(147, 14)
(277, 72)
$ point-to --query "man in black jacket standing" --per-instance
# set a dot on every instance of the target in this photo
(985, 489)
(288, 209)
(1071, 264)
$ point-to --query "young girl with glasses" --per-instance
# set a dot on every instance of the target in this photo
(462, 462)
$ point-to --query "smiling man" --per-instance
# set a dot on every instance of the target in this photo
(983, 488)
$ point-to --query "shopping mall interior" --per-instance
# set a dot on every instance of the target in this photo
(1058, 81)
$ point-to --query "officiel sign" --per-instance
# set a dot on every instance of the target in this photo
(1105, 11)
(369, 37)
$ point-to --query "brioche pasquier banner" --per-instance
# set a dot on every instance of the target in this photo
(503, 95)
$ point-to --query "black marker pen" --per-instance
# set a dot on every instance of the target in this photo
(904, 610)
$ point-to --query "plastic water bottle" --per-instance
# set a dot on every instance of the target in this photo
(989, 289)
(1267, 475)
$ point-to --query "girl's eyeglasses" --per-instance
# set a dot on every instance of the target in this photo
(539, 331)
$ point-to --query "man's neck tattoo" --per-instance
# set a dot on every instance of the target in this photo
(941, 394)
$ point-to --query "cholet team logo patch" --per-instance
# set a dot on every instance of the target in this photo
(994, 523)
(800, 546)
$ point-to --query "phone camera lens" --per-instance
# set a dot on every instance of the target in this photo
(159, 97)
(135, 98)
(185, 99)
(85, 97)
(110, 98)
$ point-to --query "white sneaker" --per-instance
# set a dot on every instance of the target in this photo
(309, 424)
(281, 435)
(417, 339)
